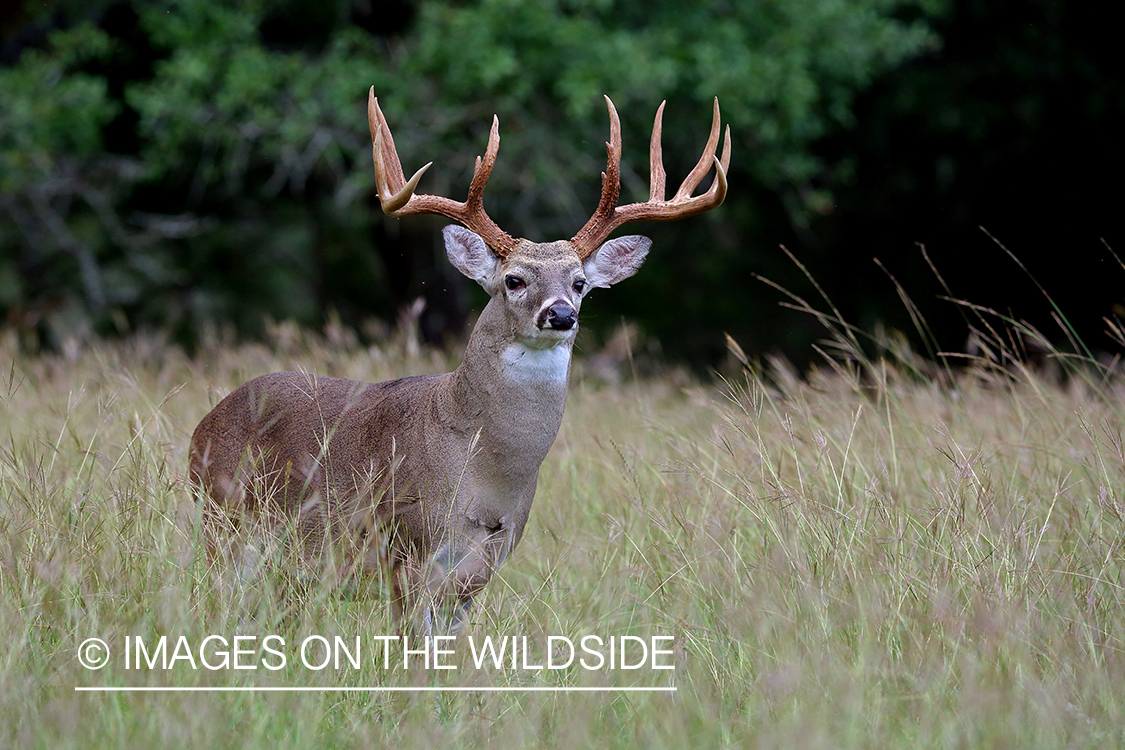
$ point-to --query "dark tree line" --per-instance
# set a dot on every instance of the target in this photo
(181, 164)
(1008, 137)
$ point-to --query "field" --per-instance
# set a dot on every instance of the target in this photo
(877, 555)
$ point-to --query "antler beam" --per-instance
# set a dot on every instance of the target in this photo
(397, 196)
(609, 215)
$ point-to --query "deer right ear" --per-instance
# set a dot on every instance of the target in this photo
(471, 256)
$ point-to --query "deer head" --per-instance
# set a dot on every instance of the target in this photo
(542, 284)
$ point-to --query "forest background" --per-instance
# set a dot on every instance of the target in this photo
(192, 166)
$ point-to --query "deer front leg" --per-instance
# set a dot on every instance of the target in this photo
(426, 601)
(462, 565)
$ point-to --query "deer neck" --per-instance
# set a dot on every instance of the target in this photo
(511, 390)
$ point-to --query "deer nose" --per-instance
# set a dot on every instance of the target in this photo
(561, 316)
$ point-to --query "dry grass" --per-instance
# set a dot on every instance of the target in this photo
(870, 557)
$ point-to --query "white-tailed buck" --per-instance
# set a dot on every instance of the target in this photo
(432, 477)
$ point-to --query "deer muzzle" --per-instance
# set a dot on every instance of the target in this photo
(560, 316)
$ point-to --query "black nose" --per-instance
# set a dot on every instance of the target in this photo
(561, 316)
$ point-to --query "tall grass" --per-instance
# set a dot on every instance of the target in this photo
(878, 555)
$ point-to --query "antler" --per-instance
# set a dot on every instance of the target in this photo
(397, 196)
(609, 215)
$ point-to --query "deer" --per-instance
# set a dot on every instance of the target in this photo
(429, 480)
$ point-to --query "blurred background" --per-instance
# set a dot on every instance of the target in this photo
(192, 166)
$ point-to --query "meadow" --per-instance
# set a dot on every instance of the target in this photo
(879, 553)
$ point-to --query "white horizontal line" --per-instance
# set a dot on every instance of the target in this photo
(364, 689)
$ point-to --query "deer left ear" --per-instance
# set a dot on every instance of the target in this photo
(616, 260)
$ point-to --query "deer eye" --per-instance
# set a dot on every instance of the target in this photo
(514, 282)
(579, 285)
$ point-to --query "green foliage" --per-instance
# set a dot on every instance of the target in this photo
(784, 71)
(222, 95)
(237, 182)
(45, 143)
(38, 130)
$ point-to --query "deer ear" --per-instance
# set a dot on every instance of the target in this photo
(471, 256)
(616, 260)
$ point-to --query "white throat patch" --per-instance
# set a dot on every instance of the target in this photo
(527, 365)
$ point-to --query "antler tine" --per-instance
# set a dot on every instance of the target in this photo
(594, 231)
(704, 165)
(482, 170)
(394, 189)
(656, 158)
(717, 193)
(611, 177)
(726, 150)
(722, 164)
(381, 134)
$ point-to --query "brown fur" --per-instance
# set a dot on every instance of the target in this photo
(448, 464)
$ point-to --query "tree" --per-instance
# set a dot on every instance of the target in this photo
(178, 162)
